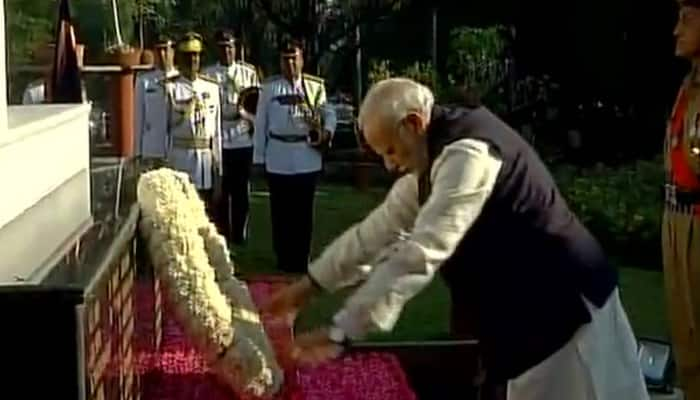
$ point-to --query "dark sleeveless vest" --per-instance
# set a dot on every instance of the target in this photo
(521, 270)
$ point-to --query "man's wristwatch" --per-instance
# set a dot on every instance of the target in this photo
(337, 336)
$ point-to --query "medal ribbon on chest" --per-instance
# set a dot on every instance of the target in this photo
(199, 115)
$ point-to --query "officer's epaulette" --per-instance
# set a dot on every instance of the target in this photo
(313, 78)
(171, 76)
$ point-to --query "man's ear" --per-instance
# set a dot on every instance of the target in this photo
(416, 121)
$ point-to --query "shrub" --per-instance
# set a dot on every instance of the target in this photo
(379, 70)
(622, 206)
(476, 57)
(422, 72)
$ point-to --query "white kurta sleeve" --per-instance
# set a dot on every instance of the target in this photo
(463, 178)
(346, 260)
(261, 122)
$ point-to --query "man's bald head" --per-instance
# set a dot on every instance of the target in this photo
(395, 98)
(394, 117)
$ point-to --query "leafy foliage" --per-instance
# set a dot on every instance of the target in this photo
(26, 33)
(476, 57)
(379, 70)
(151, 13)
(29, 26)
(422, 72)
(324, 24)
(622, 206)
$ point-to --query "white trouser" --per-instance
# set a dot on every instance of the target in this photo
(599, 363)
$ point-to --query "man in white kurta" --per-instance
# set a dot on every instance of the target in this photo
(237, 130)
(194, 142)
(151, 104)
(287, 145)
(399, 247)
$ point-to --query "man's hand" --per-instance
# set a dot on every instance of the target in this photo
(315, 347)
(325, 136)
(320, 138)
(286, 302)
(246, 115)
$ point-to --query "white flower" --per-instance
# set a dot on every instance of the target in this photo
(192, 261)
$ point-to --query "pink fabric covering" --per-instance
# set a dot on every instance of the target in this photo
(177, 372)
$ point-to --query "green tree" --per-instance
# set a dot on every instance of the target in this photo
(29, 25)
(476, 57)
(325, 24)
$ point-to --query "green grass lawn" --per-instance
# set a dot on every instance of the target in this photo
(426, 317)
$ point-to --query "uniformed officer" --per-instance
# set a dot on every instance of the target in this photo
(681, 221)
(36, 91)
(237, 129)
(150, 104)
(293, 123)
(194, 124)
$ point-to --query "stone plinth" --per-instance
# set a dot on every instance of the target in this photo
(45, 173)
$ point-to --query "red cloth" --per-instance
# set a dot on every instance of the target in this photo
(178, 372)
(681, 173)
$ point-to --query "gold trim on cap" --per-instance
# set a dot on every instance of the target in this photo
(191, 45)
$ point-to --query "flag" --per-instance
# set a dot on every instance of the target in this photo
(66, 83)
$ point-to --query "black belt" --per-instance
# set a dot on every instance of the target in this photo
(289, 138)
(675, 196)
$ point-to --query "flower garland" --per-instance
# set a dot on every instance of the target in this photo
(192, 261)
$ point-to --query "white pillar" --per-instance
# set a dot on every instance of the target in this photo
(3, 77)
